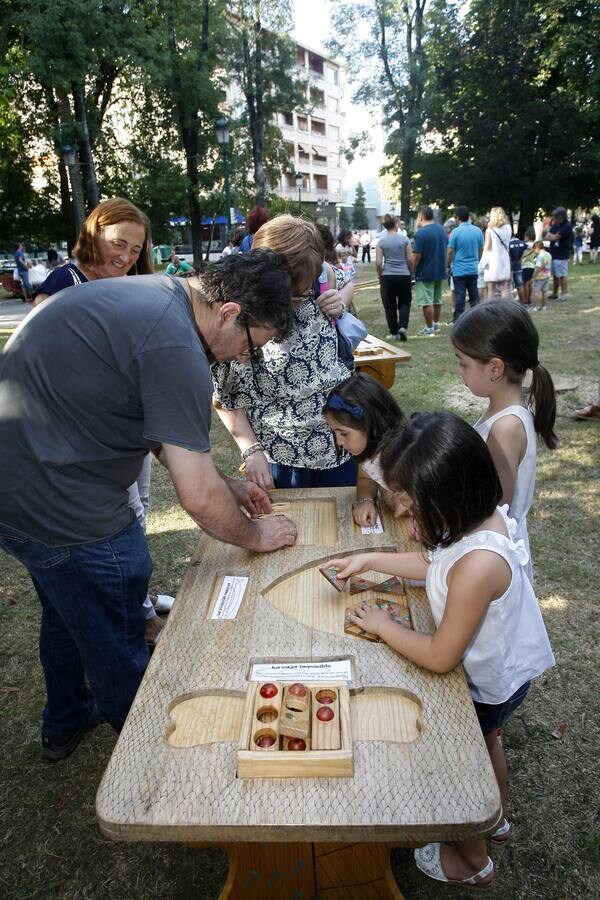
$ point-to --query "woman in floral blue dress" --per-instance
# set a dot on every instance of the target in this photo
(272, 405)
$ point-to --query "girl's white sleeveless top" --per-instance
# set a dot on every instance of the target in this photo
(525, 481)
(511, 645)
(372, 468)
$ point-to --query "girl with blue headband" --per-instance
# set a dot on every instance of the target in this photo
(360, 411)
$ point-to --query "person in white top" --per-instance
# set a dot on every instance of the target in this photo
(482, 601)
(360, 412)
(497, 272)
(496, 343)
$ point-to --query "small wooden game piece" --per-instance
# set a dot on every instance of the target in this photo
(265, 739)
(297, 689)
(294, 744)
(393, 585)
(332, 577)
(269, 690)
(325, 730)
(277, 509)
(294, 720)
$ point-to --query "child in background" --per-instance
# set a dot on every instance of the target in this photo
(578, 246)
(528, 266)
(496, 344)
(483, 604)
(541, 276)
(360, 411)
(516, 249)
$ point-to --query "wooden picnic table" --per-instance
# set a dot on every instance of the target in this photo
(377, 358)
(419, 767)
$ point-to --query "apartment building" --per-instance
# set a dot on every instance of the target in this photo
(313, 137)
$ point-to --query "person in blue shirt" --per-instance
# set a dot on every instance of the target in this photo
(429, 256)
(464, 250)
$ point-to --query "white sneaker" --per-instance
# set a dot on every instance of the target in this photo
(436, 327)
(163, 603)
(426, 330)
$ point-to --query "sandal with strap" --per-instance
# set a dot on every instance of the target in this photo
(429, 862)
(588, 412)
(501, 835)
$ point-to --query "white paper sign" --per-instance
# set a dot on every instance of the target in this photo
(230, 597)
(328, 670)
(377, 528)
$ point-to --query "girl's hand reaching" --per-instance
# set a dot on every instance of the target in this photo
(372, 618)
(351, 565)
(365, 512)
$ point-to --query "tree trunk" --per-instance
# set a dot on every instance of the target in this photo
(408, 155)
(85, 149)
(189, 137)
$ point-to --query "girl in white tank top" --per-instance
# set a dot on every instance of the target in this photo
(496, 343)
(481, 599)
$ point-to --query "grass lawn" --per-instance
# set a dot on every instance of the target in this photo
(51, 844)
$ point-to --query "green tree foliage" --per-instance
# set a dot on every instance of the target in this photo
(263, 57)
(385, 55)
(514, 100)
(344, 219)
(183, 76)
(359, 210)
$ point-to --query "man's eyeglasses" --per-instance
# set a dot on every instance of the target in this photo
(254, 355)
(253, 351)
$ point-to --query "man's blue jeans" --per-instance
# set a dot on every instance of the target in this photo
(462, 284)
(92, 623)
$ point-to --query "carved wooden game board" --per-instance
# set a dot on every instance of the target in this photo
(413, 762)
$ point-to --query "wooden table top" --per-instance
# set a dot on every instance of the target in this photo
(375, 350)
(421, 769)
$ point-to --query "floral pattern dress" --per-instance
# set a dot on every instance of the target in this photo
(293, 379)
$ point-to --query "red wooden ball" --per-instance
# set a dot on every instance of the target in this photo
(265, 741)
(326, 698)
(325, 714)
(297, 689)
(296, 744)
(268, 690)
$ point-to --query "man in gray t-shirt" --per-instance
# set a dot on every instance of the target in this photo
(90, 381)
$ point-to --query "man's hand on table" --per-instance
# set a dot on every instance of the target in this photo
(275, 532)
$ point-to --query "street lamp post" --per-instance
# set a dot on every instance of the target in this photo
(299, 182)
(338, 210)
(68, 156)
(222, 130)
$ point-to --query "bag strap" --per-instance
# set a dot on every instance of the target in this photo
(501, 239)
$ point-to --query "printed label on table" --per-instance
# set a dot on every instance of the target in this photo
(328, 670)
(230, 597)
(377, 528)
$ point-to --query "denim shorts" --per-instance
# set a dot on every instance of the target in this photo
(560, 268)
(518, 278)
(493, 716)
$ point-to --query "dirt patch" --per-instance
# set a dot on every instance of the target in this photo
(462, 400)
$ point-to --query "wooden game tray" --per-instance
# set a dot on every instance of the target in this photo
(310, 763)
